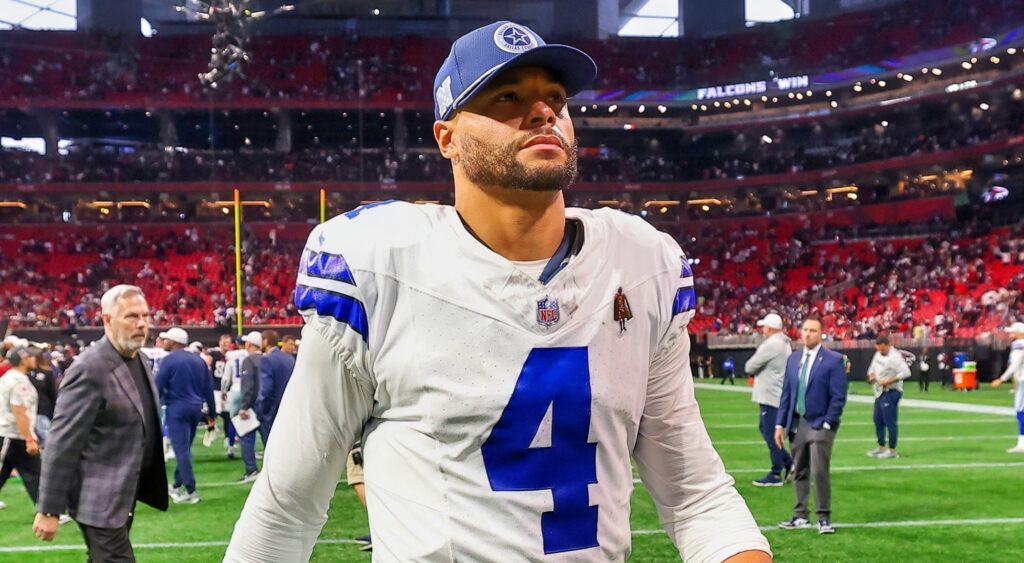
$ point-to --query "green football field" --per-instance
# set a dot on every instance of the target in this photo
(954, 495)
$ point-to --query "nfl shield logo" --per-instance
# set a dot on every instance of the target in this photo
(547, 311)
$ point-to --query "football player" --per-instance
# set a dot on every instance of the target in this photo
(477, 345)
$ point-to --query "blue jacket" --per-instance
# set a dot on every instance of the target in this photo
(184, 379)
(275, 371)
(826, 390)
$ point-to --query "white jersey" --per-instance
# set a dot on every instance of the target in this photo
(1015, 371)
(231, 377)
(155, 355)
(16, 390)
(500, 412)
(891, 365)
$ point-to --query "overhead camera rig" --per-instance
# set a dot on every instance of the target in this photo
(232, 18)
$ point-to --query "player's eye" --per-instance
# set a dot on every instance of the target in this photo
(507, 97)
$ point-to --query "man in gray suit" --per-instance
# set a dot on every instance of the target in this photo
(768, 366)
(103, 452)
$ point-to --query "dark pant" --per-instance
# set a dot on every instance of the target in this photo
(812, 459)
(182, 420)
(926, 378)
(248, 443)
(229, 429)
(781, 459)
(14, 455)
(109, 544)
(887, 417)
(730, 375)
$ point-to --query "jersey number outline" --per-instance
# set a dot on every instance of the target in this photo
(558, 378)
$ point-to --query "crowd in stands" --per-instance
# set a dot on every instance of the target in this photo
(348, 67)
(651, 156)
(336, 164)
(188, 279)
(961, 280)
(815, 145)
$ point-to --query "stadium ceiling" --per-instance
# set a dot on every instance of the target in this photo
(39, 14)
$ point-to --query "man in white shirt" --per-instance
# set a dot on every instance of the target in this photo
(886, 373)
(768, 366)
(1015, 371)
(19, 448)
(475, 348)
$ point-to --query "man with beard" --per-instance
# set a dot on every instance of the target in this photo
(473, 349)
(103, 451)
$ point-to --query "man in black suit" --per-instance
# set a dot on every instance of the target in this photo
(103, 452)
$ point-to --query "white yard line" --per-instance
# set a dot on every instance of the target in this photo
(329, 541)
(919, 523)
(871, 439)
(894, 467)
(903, 423)
(912, 403)
(156, 545)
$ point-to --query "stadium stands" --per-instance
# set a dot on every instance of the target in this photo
(961, 279)
(345, 67)
(846, 182)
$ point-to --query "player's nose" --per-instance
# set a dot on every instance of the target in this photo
(541, 114)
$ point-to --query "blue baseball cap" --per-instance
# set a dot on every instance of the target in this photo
(482, 54)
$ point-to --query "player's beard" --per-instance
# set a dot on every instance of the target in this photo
(487, 163)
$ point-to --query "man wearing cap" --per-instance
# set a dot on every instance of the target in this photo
(185, 384)
(10, 342)
(249, 388)
(103, 450)
(19, 448)
(886, 372)
(768, 367)
(474, 351)
(1015, 371)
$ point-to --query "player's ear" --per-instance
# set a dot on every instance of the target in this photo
(444, 132)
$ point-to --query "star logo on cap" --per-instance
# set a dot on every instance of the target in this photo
(514, 38)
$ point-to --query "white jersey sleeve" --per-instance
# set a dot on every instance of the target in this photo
(1015, 365)
(324, 407)
(697, 504)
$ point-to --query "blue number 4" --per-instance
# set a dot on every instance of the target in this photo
(559, 378)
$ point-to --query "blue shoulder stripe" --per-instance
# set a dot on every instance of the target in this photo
(686, 300)
(326, 266)
(687, 270)
(344, 308)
